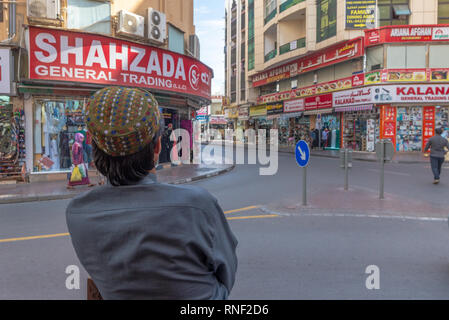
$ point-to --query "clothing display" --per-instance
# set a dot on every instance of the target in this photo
(361, 130)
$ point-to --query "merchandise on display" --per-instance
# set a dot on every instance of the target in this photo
(361, 130)
(409, 129)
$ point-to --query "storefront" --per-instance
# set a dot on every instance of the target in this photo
(59, 84)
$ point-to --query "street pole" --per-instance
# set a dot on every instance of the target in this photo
(346, 170)
(382, 168)
(304, 186)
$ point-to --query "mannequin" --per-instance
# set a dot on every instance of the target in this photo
(54, 154)
(64, 149)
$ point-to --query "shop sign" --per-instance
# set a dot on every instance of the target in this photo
(296, 105)
(233, 113)
(258, 111)
(275, 108)
(60, 55)
(360, 14)
(274, 97)
(345, 83)
(201, 118)
(243, 113)
(353, 97)
(202, 111)
(326, 57)
(217, 120)
(412, 93)
(358, 80)
(5, 71)
(415, 33)
(323, 101)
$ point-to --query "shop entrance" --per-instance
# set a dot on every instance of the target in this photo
(361, 130)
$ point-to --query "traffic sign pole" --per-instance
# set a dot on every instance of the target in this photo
(304, 186)
(382, 169)
(346, 170)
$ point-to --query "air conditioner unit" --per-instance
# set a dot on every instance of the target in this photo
(157, 26)
(131, 24)
(194, 46)
(46, 9)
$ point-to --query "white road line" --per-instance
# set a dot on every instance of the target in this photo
(392, 172)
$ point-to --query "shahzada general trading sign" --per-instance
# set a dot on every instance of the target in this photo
(59, 55)
(360, 14)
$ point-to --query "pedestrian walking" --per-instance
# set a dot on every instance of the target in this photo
(138, 238)
(79, 175)
(437, 145)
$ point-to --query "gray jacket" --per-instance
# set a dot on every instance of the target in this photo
(436, 145)
(153, 241)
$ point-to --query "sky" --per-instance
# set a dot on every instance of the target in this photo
(210, 29)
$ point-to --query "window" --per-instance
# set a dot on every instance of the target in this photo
(438, 56)
(270, 6)
(326, 19)
(251, 35)
(443, 11)
(89, 15)
(393, 12)
(175, 39)
(401, 57)
(375, 58)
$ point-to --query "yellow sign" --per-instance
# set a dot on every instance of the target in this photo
(258, 111)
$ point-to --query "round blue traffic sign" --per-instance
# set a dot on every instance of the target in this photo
(302, 153)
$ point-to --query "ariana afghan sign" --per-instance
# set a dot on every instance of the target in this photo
(81, 57)
(360, 14)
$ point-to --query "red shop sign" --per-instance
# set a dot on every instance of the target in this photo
(389, 34)
(323, 101)
(59, 55)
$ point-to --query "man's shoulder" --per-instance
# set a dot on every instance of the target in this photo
(143, 195)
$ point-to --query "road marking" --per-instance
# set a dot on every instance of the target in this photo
(242, 209)
(67, 234)
(392, 172)
(254, 217)
(36, 237)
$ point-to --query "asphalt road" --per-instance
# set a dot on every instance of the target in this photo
(293, 255)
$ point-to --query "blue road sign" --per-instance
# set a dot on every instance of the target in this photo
(302, 153)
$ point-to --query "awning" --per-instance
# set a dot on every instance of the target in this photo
(354, 108)
(318, 111)
(401, 10)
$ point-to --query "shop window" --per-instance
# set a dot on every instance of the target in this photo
(307, 79)
(443, 11)
(402, 57)
(285, 85)
(89, 15)
(375, 58)
(176, 40)
(409, 129)
(326, 74)
(393, 12)
(343, 70)
(438, 56)
(326, 19)
(55, 124)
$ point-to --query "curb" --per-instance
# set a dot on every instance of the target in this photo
(69, 195)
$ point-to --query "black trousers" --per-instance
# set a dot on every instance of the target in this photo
(436, 164)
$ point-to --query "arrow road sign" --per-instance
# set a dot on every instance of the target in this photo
(302, 153)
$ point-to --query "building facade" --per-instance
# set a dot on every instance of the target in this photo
(61, 51)
(341, 73)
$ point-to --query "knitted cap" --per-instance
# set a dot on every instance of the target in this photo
(122, 121)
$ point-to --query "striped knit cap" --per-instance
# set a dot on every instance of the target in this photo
(122, 121)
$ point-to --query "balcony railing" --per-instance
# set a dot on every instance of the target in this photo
(287, 4)
(270, 16)
(293, 45)
(270, 55)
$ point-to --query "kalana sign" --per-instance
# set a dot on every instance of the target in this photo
(80, 57)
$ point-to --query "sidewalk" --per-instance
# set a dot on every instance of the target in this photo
(399, 157)
(56, 190)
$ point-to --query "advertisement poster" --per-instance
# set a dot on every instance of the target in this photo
(327, 19)
(360, 14)
(438, 74)
(428, 124)
(59, 55)
(275, 108)
(372, 77)
(388, 123)
(403, 75)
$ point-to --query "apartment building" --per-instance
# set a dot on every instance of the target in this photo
(56, 53)
(340, 73)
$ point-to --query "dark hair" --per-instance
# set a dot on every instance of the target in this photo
(439, 131)
(124, 170)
